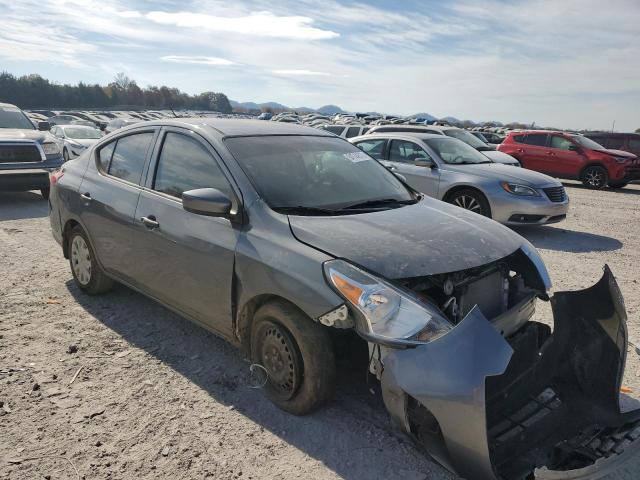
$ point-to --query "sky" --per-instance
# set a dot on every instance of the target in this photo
(564, 63)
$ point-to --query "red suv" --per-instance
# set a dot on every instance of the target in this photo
(572, 156)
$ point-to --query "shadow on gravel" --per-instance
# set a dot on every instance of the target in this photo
(631, 189)
(561, 240)
(22, 205)
(347, 436)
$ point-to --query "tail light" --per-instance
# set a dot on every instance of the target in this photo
(55, 176)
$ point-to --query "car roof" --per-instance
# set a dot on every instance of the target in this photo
(231, 127)
(399, 135)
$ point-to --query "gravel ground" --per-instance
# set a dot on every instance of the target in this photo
(118, 387)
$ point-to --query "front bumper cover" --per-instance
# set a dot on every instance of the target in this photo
(491, 408)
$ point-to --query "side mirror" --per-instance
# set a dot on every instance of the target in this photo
(44, 126)
(574, 148)
(424, 162)
(207, 201)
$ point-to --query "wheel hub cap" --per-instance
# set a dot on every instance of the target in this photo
(81, 260)
(279, 358)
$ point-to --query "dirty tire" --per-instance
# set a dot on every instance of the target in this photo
(471, 200)
(45, 193)
(87, 273)
(618, 184)
(298, 355)
(595, 177)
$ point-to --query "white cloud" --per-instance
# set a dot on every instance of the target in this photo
(262, 24)
(301, 73)
(214, 61)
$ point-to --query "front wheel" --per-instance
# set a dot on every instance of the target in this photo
(471, 200)
(595, 177)
(87, 274)
(297, 354)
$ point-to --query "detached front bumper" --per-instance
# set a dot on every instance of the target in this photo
(491, 408)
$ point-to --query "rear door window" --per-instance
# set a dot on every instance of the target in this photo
(405, 152)
(373, 148)
(634, 144)
(615, 143)
(129, 156)
(185, 164)
(334, 129)
(536, 139)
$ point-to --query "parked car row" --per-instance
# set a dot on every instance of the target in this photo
(284, 239)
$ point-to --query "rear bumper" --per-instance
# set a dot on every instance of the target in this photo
(488, 408)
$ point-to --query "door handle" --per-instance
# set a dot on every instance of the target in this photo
(86, 196)
(550, 153)
(150, 222)
(520, 150)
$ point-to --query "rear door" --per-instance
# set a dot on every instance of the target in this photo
(374, 148)
(402, 154)
(186, 260)
(533, 152)
(108, 197)
(563, 162)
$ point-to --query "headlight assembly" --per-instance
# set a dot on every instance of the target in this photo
(51, 148)
(384, 313)
(520, 190)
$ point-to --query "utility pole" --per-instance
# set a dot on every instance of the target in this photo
(613, 127)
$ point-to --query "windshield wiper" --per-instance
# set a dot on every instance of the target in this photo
(302, 210)
(381, 202)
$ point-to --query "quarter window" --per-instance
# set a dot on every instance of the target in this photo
(405, 152)
(129, 156)
(373, 148)
(185, 164)
(560, 142)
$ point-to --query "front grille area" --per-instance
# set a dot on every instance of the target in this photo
(555, 194)
(13, 153)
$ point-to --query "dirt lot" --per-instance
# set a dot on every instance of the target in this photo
(117, 387)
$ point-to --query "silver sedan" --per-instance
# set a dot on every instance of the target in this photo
(448, 169)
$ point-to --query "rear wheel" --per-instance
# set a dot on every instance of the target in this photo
(595, 177)
(297, 355)
(618, 184)
(470, 200)
(87, 274)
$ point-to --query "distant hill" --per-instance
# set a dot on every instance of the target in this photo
(330, 110)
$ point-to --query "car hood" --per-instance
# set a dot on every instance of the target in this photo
(427, 238)
(618, 153)
(500, 157)
(501, 172)
(85, 142)
(7, 134)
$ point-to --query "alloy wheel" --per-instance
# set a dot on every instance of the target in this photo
(594, 178)
(468, 203)
(81, 260)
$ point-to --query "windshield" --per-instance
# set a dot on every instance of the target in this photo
(82, 133)
(587, 142)
(466, 137)
(12, 117)
(455, 152)
(314, 172)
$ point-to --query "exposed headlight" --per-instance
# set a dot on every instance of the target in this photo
(51, 148)
(384, 313)
(520, 190)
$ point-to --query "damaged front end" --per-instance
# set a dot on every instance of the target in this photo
(487, 391)
(512, 400)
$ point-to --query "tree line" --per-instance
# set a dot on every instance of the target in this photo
(34, 92)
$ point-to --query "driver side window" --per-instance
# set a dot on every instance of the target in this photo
(560, 142)
(403, 151)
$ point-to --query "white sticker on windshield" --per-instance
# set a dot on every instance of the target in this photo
(356, 157)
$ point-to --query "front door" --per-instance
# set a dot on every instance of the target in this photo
(564, 162)
(186, 260)
(402, 155)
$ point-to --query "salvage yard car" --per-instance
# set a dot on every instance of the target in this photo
(27, 155)
(73, 139)
(273, 234)
(572, 156)
(449, 169)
